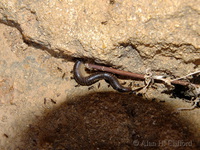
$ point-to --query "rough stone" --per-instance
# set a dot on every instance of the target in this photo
(39, 38)
(103, 30)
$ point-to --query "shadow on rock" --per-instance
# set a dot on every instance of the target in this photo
(109, 121)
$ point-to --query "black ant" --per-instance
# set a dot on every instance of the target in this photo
(63, 75)
(54, 102)
(99, 85)
(123, 83)
(91, 87)
(130, 84)
(59, 69)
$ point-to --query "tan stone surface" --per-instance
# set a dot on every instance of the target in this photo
(39, 38)
(103, 30)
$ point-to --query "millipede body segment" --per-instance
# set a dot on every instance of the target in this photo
(91, 79)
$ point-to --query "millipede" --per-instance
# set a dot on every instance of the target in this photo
(91, 79)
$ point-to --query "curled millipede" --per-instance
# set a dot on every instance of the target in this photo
(91, 79)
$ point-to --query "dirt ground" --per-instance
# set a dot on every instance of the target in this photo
(42, 108)
(108, 120)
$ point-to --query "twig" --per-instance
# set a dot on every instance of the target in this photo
(184, 77)
(194, 105)
(130, 74)
(115, 71)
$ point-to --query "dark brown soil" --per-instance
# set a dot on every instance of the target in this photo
(110, 121)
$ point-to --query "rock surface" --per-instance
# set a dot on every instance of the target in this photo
(39, 38)
(131, 34)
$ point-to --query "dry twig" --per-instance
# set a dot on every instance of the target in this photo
(194, 105)
(136, 75)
